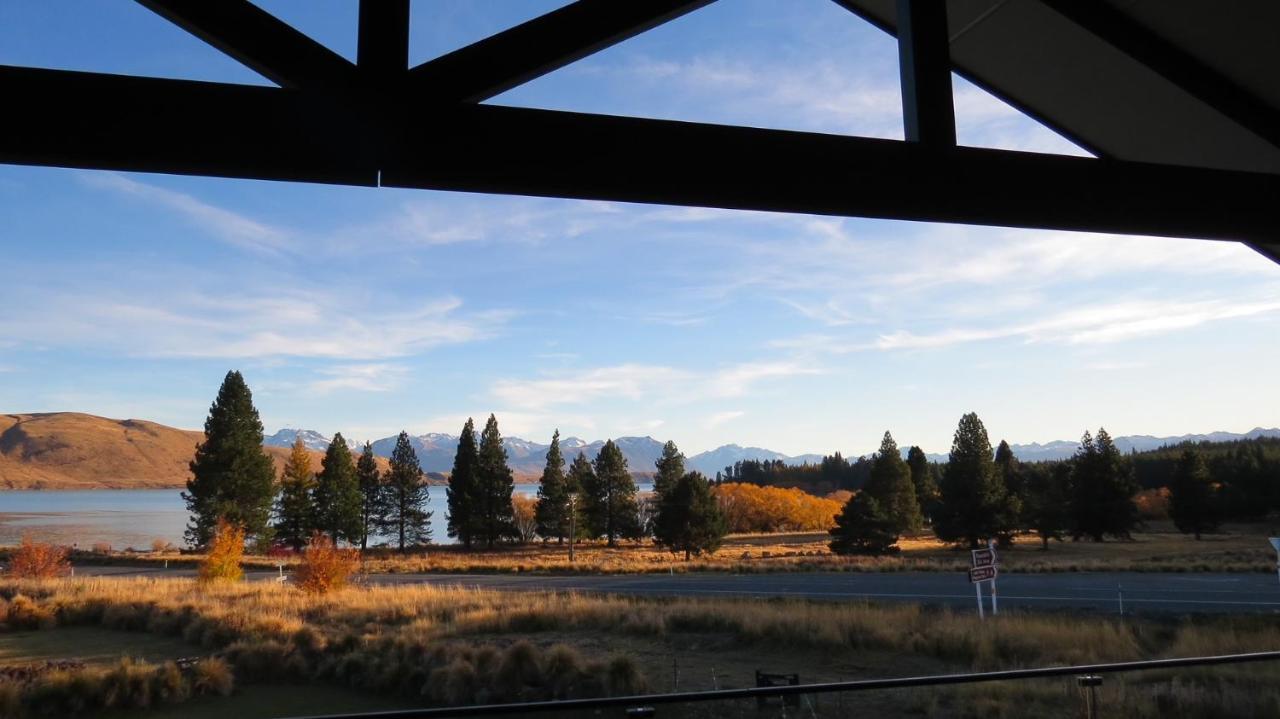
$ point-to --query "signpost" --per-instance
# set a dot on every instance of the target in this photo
(984, 567)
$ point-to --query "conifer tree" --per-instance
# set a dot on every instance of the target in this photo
(610, 500)
(971, 494)
(863, 527)
(1046, 509)
(1102, 490)
(552, 511)
(1009, 470)
(924, 482)
(1193, 501)
(462, 490)
(890, 484)
(495, 483)
(336, 497)
(670, 469)
(232, 477)
(405, 498)
(580, 480)
(371, 494)
(689, 520)
(295, 520)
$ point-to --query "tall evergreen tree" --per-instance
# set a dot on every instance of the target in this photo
(924, 482)
(1102, 490)
(493, 512)
(1009, 470)
(552, 511)
(1047, 506)
(610, 500)
(972, 494)
(295, 518)
(670, 469)
(1193, 501)
(863, 527)
(688, 518)
(890, 484)
(371, 494)
(232, 477)
(406, 497)
(580, 480)
(463, 486)
(336, 496)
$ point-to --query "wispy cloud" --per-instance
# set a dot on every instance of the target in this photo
(720, 418)
(230, 227)
(374, 377)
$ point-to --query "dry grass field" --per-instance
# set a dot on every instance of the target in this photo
(433, 646)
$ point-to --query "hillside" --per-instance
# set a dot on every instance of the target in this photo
(68, 450)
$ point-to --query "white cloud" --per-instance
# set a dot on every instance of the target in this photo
(230, 227)
(374, 377)
(720, 418)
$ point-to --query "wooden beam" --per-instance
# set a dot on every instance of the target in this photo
(513, 57)
(924, 62)
(258, 40)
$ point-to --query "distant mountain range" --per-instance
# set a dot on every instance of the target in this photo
(436, 451)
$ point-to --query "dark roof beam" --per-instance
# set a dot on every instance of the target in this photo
(382, 52)
(924, 62)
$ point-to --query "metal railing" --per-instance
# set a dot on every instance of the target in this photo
(652, 700)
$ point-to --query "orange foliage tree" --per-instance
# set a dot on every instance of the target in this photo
(324, 566)
(524, 511)
(753, 508)
(222, 563)
(37, 560)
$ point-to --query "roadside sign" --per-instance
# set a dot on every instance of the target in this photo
(1275, 542)
(985, 558)
(982, 574)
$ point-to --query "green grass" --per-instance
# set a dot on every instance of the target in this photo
(91, 645)
(260, 701)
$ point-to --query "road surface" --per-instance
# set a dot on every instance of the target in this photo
(1096, 592)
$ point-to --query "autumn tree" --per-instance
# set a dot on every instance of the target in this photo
(295, 513)
(890, 484)
(462, 489)
(971, 493)
(372, 508)
(325, 567)
(1194, 505)
(232, 477)
(38, 560)
(405, 498)
(221, 562)
(494, 485)
(926, 485)
(336, 497)
(1102, 488)
(610, 500)
(863, 527)
(524, 518)
(688, 518)
(552, 511)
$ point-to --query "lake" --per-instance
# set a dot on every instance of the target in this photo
(136, 517)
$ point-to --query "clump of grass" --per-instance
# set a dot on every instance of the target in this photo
(126, 685)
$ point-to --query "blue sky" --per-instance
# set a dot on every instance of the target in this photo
(370, 310)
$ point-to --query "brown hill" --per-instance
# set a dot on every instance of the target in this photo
(68, 450)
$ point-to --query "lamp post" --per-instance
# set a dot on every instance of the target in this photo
(573, 516)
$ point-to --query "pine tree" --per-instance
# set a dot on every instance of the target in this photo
(581, 476)
(610, 499)
(371, 494)
(924, 482)
(1102, 490)
(670, 469)
(552, 512)
(336, 496)
(971, 494)
(890, 484)
(863, 527)
(1009, 470)
(232, 477)
(1046, 509)
(462, 489)
(405, 497)
(295, 518)
(494, 520)
(689, 519)
(1193, 501)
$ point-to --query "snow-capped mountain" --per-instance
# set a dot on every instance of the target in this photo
(311, 439)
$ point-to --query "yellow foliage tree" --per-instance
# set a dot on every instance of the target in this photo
(753, 508)
(324, 566)
(222, 563)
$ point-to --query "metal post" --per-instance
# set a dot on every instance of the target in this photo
(995, 603)
(1120, 598)
(573, 515)
(977, 588)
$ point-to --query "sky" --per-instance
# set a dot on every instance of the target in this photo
(368, 311)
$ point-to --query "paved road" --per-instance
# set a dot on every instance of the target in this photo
(1098, 592)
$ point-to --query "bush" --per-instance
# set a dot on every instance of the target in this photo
(324, 566)
(38, 560)
(102, 548)
(222, 563)
(161, 545)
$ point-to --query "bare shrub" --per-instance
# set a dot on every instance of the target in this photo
(102, 548)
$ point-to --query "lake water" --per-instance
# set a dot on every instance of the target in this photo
(136, 517)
